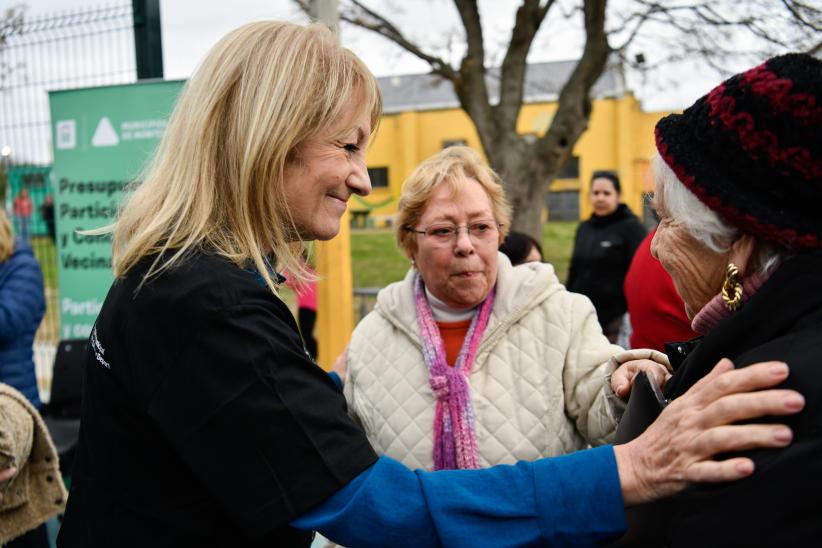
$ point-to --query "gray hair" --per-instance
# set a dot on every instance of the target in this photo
(704, 225)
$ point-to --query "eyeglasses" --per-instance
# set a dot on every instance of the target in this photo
(479, 231)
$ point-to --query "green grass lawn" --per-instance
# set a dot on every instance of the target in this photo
(557, 245)
(376, 261)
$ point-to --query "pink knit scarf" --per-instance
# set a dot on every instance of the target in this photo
(455, 436)
(715, 310)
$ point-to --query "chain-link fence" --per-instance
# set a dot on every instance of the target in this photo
(73, 49)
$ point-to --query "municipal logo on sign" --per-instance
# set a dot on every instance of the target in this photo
(105, 135)
(66, 131)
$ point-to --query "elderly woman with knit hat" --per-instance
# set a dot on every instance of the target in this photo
(738, 187)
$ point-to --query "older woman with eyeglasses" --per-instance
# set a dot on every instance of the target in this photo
(538, 362)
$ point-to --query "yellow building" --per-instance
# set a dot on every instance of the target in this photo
(422, 116)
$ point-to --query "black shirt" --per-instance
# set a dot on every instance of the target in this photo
(603, 249)
(204, 422)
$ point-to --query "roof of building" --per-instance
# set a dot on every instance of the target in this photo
(543, 82)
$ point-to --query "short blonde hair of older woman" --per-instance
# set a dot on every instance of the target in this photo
(451, 166)
(6, 237)
(216, 182)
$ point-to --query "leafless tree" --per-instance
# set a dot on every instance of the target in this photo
(644, 34)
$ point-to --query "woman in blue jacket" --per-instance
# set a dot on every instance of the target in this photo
(22, 305)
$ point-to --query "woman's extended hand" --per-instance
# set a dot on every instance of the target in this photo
(631, 362)
(677, 449)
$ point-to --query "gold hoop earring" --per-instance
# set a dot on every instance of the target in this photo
(732, 288)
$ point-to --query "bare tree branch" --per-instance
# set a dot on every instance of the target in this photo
(469, 14)
(11, 22)
(571, 118)
(800, 13)
(369, 20)
(472, 90)
(529, 18)
(641, 19)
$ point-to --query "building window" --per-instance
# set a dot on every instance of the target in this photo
(571, 169)
(563, 205)
(454, 143)
(378, 176)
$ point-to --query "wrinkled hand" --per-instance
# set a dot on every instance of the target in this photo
(631, 362)
(5, 476)
(340, 366)
(677, 449)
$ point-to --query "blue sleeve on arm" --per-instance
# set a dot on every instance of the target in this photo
(336, 378)
(383, 506)
(570, 500)
(580, 498)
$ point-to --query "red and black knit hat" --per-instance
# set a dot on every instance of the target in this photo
(751, 150)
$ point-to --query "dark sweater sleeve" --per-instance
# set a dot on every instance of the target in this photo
(573, 500)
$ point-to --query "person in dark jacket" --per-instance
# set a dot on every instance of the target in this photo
(204, 420)
(603, 248)
(22, 306)
(47, 213)
(738, 184)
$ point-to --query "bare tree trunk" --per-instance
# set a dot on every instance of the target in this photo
(514, 161)
(529, 214)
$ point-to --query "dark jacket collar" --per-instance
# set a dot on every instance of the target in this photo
(621, 213)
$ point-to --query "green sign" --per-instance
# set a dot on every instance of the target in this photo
(101, 138)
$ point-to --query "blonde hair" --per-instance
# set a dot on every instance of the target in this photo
(451, 166)
(6, 237)
(216, 182)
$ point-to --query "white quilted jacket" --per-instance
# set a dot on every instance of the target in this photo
(539, 382)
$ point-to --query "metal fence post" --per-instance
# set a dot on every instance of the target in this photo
(148, 42)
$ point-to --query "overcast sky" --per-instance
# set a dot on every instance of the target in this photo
(191, 27)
